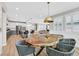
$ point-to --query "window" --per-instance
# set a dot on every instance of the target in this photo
(41, 27)
(68, 23)
(59, 23)
(76, 22)
(54, 25)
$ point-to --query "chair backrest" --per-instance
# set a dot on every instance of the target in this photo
(65, 47)
(24, 49)
(71, 42)
(66, 44)
(55, 52)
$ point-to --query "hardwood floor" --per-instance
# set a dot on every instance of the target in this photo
(10, 48)
(76, 52)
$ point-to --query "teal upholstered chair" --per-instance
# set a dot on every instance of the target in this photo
(24, 49)
(65, 47)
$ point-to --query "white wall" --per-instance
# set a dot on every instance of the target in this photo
(39, 21)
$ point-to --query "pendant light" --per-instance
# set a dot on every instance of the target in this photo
(48, 19)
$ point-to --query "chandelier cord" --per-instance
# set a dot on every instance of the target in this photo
(48, 7)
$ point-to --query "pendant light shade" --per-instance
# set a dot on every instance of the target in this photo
(48, 19)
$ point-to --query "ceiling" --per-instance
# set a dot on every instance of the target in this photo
(37, 10)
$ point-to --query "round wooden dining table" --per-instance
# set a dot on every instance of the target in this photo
(42, 42)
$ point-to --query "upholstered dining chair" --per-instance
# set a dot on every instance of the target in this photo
(24, 49)
(65, 47)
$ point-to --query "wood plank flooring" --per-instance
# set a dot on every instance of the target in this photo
(10, 48)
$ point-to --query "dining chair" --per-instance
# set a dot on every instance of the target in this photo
(68, 41)
(24, 49)
(65, 47)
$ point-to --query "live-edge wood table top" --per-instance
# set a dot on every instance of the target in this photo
(38, 41)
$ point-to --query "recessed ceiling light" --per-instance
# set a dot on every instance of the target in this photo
(17, 8)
